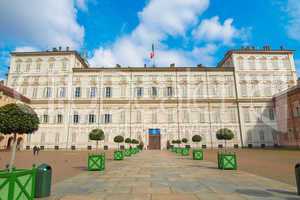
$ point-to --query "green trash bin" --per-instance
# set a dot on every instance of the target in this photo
(43, 181)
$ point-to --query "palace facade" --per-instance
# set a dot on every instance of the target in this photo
(72, 98)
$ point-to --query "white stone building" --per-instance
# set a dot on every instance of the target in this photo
(72, 98)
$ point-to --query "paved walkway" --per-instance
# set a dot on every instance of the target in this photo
(162, 175)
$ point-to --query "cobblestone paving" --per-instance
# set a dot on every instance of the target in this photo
(162, 175)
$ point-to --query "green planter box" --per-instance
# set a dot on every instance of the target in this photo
(185, 152)
(17, 185)
(132, 151)
(137, 150)
(174, 149)
(178, 150)
(118, 155)
(227, 161)
(197, 154)
(96, 162)
(127, 152)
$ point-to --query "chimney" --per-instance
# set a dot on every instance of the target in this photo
(68, 49)
(172, 65)
(145, 65)
(118, 66)
(54, 49)
(281, 47)
(199, 65)
(59, 48)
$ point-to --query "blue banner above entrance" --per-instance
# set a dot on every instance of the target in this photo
(154, 131)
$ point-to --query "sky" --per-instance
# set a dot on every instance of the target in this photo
(184, 32)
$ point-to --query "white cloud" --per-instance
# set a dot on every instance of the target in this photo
(39, 23)
(81, 4)
(213, 31)
(158, 20)
(293, 26)
(25, 49)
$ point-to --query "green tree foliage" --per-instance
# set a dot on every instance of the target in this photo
(224, 134)
(17, 119)
(184, 140)
(197, 139)
(97, 135)
(119, 139)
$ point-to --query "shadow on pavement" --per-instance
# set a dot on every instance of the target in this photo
(282, 192)
(256, 193)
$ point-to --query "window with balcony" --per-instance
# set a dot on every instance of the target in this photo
(93, 92)
(77, 92)
(62, 92)
(139, 91)
(76, 118)
(108, 92)
(107, 118)
(92, 118)
(154, 91)
(170, 91)
(59, 118)
(47, 92)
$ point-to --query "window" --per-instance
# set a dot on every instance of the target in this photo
(57, 139)
(75, 118)
(232, 115)
(24, 91)
(169, 91)
(154, 116)
(154, 92)
(77, 92)
(34, 93)
(246, 114)
(38, 67)
(139, 91)
(51, 65)
(258, 114)
(271, 114)
(244, 90)
(186, 118)
(229, 91)
(213, 90)
(93, 92)
(122, 117)
(200, 90)
(45, 118)
(92, 118)
(64, 66)
(201, 116)
(297, 109)
(216, 115)
(170, 116)
(62, 92)
(107, 118)
(123, 91)
(184, 91)
(47, 92)
(108, 92)
(138, 116)
(27, 69)
(59, 118)
(18, 67)
(275, 63)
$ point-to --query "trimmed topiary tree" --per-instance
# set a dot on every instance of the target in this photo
(184, 140)
(96, 135)
(119, 139)
(134, 141)
(196, 139)
(128, 141)
(17, 119)
(224, 134)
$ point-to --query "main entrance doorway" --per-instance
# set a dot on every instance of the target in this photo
(154, 139)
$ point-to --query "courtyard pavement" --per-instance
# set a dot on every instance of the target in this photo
(162, 175)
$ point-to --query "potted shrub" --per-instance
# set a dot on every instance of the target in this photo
(173, 146)
(127, 151)
(185, 151)
(96, 161)
(226, 160)
(178, 150)
(118, 154)
(135, 143)
(141, 145)
(15, 183)
(197, 153)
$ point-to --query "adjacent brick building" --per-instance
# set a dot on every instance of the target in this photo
(287, 107)
(7, 96)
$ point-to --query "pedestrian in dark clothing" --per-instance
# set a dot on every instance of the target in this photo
(38, 150)
(34, 150)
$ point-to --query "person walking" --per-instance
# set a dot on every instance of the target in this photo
(34, 150)
(38, 150)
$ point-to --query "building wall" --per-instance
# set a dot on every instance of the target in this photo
(236, 95)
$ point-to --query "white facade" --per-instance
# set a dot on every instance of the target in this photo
(72, 98)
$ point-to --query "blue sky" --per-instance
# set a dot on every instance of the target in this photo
(185, 32)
